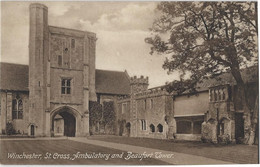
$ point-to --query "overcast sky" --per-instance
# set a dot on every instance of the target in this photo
(121, 28)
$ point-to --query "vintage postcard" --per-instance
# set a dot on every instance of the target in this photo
(129, 83)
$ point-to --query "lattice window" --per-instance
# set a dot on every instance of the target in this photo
(17, 109)
(66, 86)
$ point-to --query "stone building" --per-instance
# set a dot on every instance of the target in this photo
(59, 82)
(214, 113)
(51, 96)
(144, 112)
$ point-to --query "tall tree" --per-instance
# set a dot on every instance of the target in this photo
(204, 39)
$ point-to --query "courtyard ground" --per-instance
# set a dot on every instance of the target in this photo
(59, 149)
(184, 152)
(234, 153)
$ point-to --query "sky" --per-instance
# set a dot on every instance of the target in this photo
(121, 28)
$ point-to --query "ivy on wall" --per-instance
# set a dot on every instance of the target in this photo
(102, 116)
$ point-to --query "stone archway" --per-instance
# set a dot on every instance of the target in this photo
(70, 119)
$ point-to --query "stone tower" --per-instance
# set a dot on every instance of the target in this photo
(61, 76)
(38, 58)
(139, 84)
(136, 85)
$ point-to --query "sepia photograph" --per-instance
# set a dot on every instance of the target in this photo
(129, 83)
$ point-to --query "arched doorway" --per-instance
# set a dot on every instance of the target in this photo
(69, 122)
(121, 127)
(128, 129)
(32, 130)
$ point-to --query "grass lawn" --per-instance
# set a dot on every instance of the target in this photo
(57, 149)
(236, 153)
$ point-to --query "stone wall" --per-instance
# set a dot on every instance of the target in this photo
(191, 104)
(219, 120)
(151, 108)
(20, 125)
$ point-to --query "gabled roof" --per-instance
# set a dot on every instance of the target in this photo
(15, 77)
(249, 75)
(112, 82)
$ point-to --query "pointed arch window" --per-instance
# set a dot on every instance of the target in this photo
(159, 128)
(152, 128)
(17, 109)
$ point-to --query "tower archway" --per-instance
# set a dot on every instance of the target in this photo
(69, 118)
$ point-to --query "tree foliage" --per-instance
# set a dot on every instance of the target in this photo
(102, 114)
(204, 39)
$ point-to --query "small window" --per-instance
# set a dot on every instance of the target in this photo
(159, 128)
(223, 95)
(151, 103)
(152, 128)
(143, 124)
(219, 94)
(215, 95)
(66, 86)
(72, 43)
(59, 60)
(124, 108)
(145, 104)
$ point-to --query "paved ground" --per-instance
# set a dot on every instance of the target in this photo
(240, 154)
(59, 150)
(166, 156)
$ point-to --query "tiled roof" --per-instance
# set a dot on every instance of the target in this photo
(16, 76)
(112, 82)
(249, 75)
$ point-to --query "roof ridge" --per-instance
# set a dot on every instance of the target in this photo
(110, 70)
(14, 63)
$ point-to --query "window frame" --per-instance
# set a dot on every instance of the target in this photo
(124, 108)
(17, 108)
(66, 86)
(143, 124)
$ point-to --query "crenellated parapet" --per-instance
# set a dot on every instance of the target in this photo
(151, 93)
(141, 80)
(139, 84)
